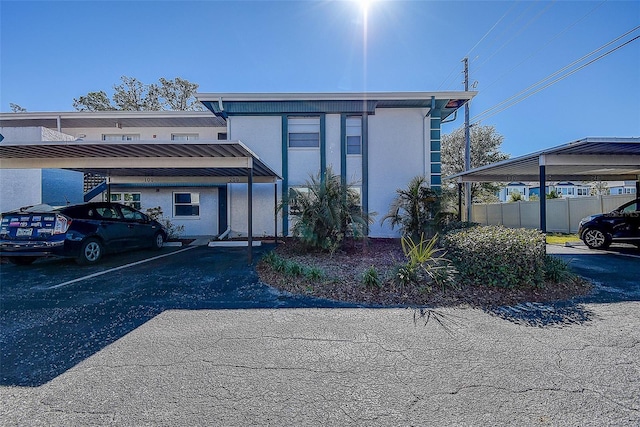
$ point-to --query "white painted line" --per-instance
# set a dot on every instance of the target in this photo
(111, 270)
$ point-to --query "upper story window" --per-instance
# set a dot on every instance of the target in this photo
(354, 135)
(184, 137)
(222, 136)
(304, 132)
(121, 137)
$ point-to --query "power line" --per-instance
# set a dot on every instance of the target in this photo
(446, 80)
(545, 45)
(521, 96)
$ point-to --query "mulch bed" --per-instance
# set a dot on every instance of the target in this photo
(343, 272)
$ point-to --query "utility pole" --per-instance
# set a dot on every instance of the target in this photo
(467, 142)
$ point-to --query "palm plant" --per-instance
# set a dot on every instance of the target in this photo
(326, 212)
(414, 209)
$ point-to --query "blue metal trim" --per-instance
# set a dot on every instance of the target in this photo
(285, 175)
(323, 146)
(100, 188)
(365, 167)
(435, 123)
(343, 148)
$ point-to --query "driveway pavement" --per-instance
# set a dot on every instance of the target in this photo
(304, 365)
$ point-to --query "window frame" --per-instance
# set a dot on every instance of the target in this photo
(175, 204)
(312, 123)
(185, 136)
(123, 136)
(357, 134)
(133, 203)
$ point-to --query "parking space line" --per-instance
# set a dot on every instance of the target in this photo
(111, 270)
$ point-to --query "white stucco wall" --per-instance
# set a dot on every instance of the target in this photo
(204, 225)
(146, 133)
(20, 187)
(263, 210)
(396, 155)
(262, 134)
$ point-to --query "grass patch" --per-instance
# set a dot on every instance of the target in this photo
(561, 238)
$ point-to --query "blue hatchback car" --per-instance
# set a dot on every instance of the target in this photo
(85, 232)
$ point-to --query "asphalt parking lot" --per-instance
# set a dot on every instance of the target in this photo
(54, 313)
(190, 336)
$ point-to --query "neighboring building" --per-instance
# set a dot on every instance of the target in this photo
(375, 141)
(514, 187)
(622, 187)
(563, 189)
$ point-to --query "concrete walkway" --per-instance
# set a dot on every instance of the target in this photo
(337, 367)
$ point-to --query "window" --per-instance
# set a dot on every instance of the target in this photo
(186, 204)
(294, 193)
(121, 137)
(128, 199)
(304, 132)
(583, 191)
(222, 136)
(184, 137)
(354, 135)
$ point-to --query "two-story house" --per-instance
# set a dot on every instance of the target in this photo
(376, 142)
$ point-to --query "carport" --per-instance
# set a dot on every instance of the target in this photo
(221, 161)
(589, 159)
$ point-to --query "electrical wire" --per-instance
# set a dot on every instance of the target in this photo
(505, 104)
(543, 46)
(446, 80)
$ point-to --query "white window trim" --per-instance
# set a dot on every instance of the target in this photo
(184, 217)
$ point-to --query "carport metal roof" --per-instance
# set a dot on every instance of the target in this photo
(145, 158)
(139, 158)
(589, 159)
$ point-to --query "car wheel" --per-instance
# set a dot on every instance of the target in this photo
(596, 239)
(90, 252)
(22, 260)
(158, 241)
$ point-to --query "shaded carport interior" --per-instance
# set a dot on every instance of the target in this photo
(588, 159)
(225, 161)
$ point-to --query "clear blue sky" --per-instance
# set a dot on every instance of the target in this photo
(54, 51)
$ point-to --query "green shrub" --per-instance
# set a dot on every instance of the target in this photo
(425, 263)
(293, 269)
(313, 273)
(370, 278)
(498, 256)
(326, 211)
(405, 275)
(557, 270)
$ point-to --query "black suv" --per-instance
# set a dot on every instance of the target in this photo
(84, 232)
(621, 225)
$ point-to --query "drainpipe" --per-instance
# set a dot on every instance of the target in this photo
(59, 123)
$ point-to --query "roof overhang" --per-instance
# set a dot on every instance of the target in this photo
(112, 119)
(589, 159)
(227, 104)
(231, 160)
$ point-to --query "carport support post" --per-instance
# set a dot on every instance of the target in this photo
(460, 201)
(543, 194)
(250, 209)
(275, 212)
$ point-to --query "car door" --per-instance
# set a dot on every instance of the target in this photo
(112, 228)
(139, 226)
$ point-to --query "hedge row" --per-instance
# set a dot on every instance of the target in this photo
(497, 256)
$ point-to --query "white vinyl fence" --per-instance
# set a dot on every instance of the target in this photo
(563, 215)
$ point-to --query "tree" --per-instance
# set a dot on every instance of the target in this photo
(93, 101)
(485, 150)
(15, 108)
(414, 209)
(133, 95)
(326, 211)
